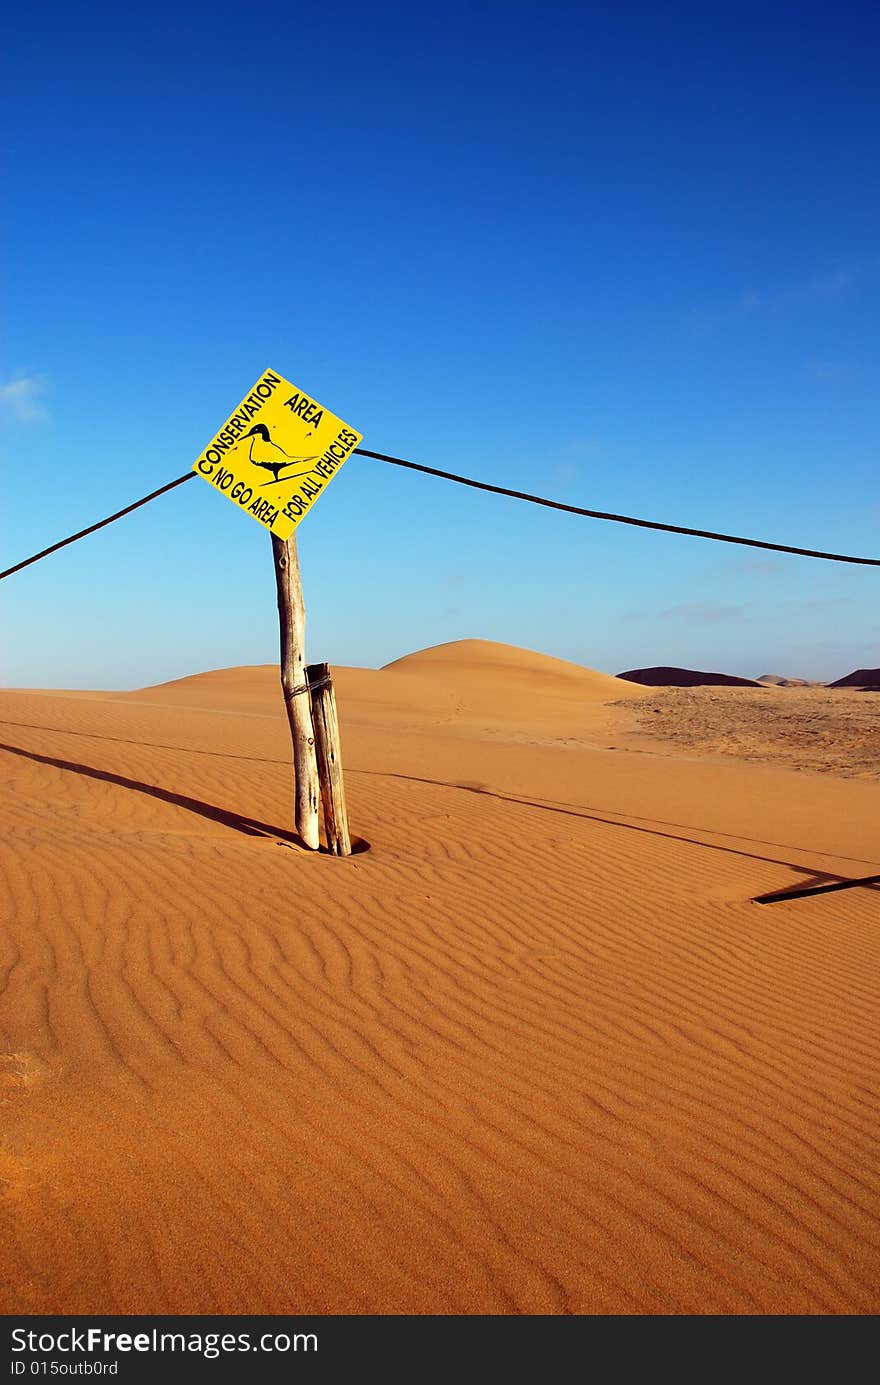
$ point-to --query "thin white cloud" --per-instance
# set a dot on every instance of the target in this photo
(582, 447)
(834, 285)
(752, 566)
(831, 287)
(705, 613)
(20, 398)
(822, 288)
(750, 302)
(826, 372)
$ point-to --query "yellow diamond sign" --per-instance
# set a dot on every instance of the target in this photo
(277, 453)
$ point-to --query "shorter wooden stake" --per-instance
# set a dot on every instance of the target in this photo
(329, 754)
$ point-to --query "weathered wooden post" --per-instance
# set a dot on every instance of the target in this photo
(294, 682)
(329, 753)
(299, 437)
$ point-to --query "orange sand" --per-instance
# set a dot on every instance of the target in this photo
(535, 1051)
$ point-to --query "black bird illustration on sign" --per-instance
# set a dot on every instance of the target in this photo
(265, 453)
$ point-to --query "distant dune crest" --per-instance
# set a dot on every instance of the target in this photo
(505, 665)
(861, 678)
(491, 659)
(668, 677)
(778, 680)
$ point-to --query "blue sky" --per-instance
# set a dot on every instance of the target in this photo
(625, 256)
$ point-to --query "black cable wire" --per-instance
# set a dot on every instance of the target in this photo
(493, 490)
(617, 519)
(102, 523)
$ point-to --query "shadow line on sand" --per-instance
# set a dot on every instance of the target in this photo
(251, 827)
(547, 804)
(146, 745)
(777, 896)
(816, 881)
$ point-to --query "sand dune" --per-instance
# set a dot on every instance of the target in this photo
(482, 684)
(536, 1050)
(501, 665)
(467, 687)
(860, 678)
(666, 676)
(779, 680)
